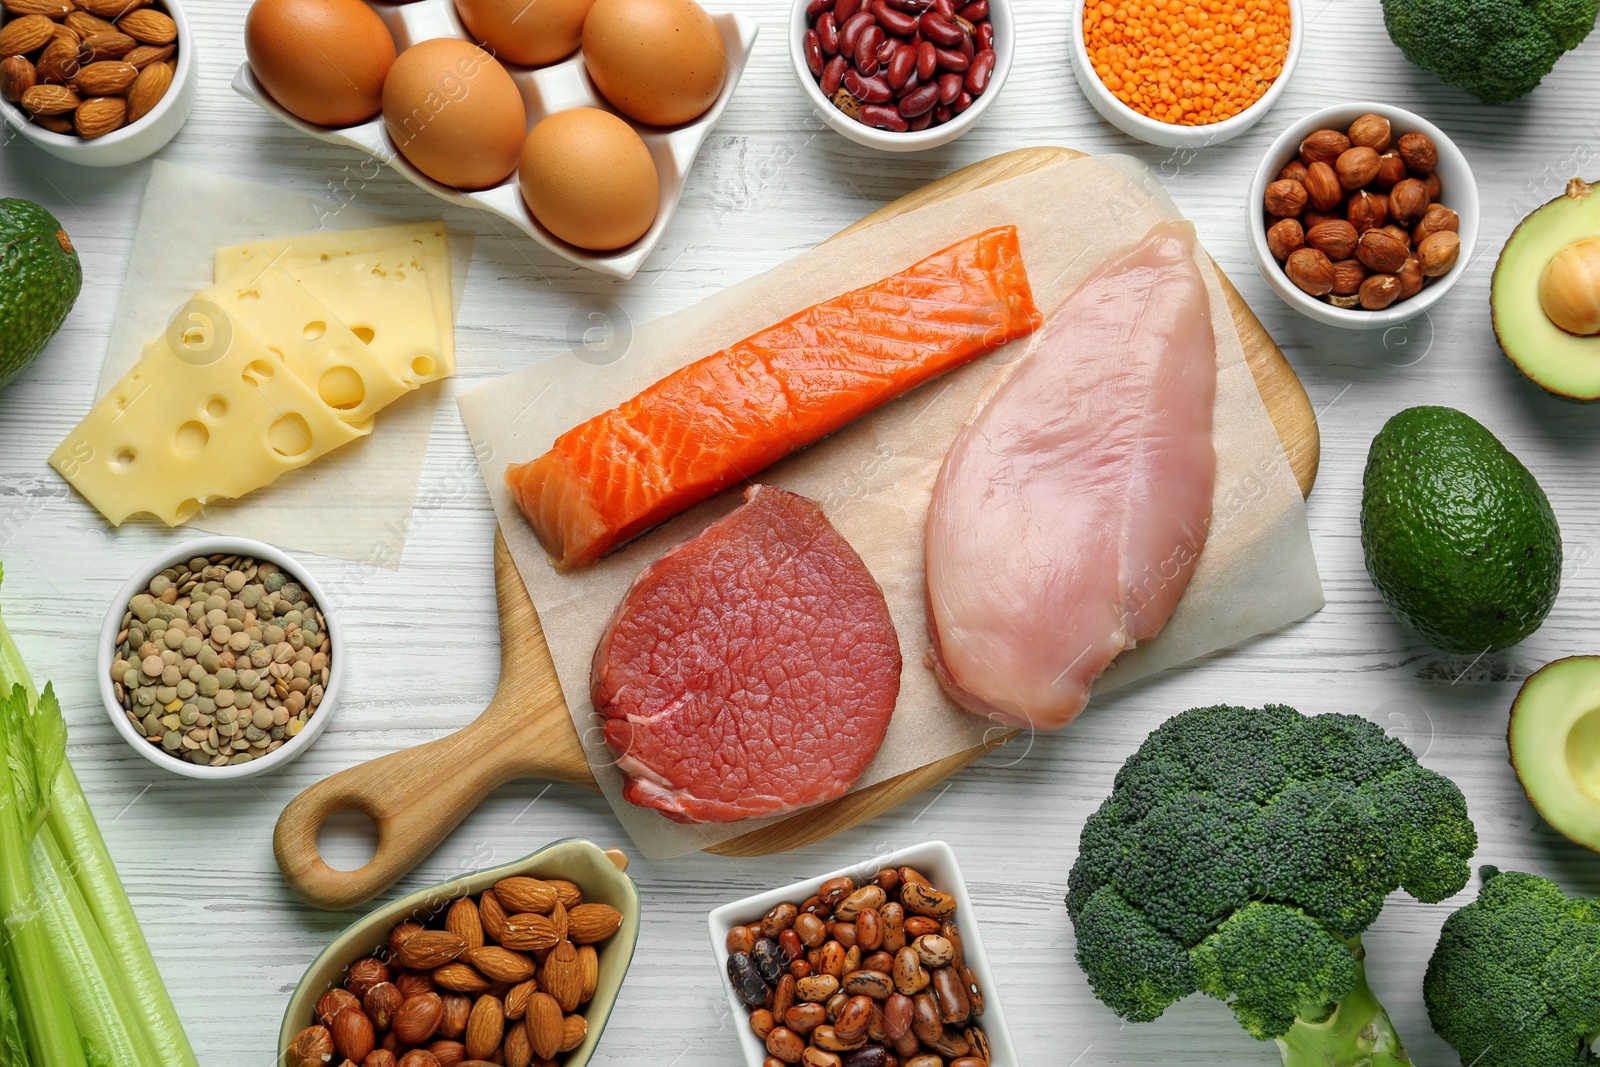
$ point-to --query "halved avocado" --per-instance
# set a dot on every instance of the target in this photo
(1540, 271)
(1555, 745)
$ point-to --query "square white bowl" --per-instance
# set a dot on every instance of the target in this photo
(935, 859)
(545, 90)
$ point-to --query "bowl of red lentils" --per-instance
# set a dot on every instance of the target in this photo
(1185, 73)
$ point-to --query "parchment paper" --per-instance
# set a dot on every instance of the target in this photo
(354, 503)
(875, 477)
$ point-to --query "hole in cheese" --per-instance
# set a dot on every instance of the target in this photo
(342, 388)
(216, 407)
(422, 366)
(315, 329)
(190, 438)
(124, 459)
(258, 373)
(290, 436)
(188, 509)
(366, 333)
(249, 294)
(277, 352)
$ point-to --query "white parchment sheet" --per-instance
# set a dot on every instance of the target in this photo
(874, 478)
(354, 503)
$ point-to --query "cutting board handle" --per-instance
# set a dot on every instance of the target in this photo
(418, 795)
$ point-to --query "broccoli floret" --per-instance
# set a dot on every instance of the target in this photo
(1497, 50)
(1242, 853)
(1515, 978)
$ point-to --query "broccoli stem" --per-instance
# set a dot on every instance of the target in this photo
(1357, 1033)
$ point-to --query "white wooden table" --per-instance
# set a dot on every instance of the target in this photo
(197, 860)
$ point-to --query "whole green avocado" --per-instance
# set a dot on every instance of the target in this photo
(1497, 50)
(39, 281)
(1458, 537)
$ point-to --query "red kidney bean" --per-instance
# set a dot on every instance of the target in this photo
(915, 7)
(909, 87)
(949, 87)
(949, 59)
(851, 29)
(813, 49)
(976, 11)
(978, 74)
(942, 113)
(920, 101)
(882, 118)
(985, 35)
(899, 23)
(902, 68)
(866, 53)
(921, 122)
(844, 9)
(927, 60)
(966, 47)
(962, 102)
(833, 74)
(944, 8)
(868, 90)
(828, 34)
(886, 51)
(817, 7)
(941, 31)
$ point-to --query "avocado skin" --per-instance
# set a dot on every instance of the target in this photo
(39, 281)
(1459, 539)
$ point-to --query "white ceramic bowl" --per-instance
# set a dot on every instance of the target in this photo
(545, 90)
(1167, 134)
(937, 861)
(887, 140)
(1458, 190)
(137, 140)
(181, 553)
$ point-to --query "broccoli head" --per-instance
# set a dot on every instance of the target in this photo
(1497, 50)
(1515, 979)
(1242, 853)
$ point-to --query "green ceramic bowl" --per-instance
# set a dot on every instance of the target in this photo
(573, 859)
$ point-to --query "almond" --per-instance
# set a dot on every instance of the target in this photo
(58, 63)
(589, 968)
(109, 9)
(425, 950)
(501, 964)
(418, 1018)
(485, 1026)
(525, 894)
(588, 923)
(51, 100)
(460, 978)
(517, 998)
(492, 915)
(352, 1032)
(100, 46)
(50, 9)
(527, 931)
(562, 976)
(87, 25)
(147, 54)
(463, 921)
(148, 26)
(22, 35)
(105, 78)
(574, 1028)
(544, 1025)
(567, 893)
(448, 1053)
(516, 1051)
(53, 123)
(17, 76)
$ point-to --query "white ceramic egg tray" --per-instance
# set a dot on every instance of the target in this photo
(545, 90)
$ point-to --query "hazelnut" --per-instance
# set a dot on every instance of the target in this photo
(311, 1047)
(1285, 198)
(1349, 302)
(1437, 218)
(1366, 211)
(412, 983)
(333, 1002)
(1371, 131)
(1379, 291)
(1391, 171)
(1310, 218)
(1419, 152)
(419, 1057)
(1381, 253)
(453, 1022)
(1356, 168)
(380, 1004)
(1335, 239)
(1322, 187)
(17, 76)
(1311, 271)
(1434, 188)
(1399, 233)
(1408, 202)
(1285, 238)
(363, 974)
(1348, 274)
(1294, 172)
(1411, 278)
(1438, 252)
(379, 1057)
(352, 1033)
(402, 933)
(1324, 146)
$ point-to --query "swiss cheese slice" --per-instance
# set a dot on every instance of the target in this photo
(313, 342)
(208, 413)
(390, 285)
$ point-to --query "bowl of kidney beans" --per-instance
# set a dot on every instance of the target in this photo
(901, 75)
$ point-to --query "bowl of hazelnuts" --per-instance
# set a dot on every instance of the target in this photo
(1363, 215)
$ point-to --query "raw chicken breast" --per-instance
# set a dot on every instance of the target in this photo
(1070, 511)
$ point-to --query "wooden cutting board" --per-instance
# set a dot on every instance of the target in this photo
(417, 796)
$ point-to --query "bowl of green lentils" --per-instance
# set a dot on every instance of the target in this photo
(220, 658)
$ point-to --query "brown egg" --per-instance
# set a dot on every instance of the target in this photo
(589, 179)
(454, 113)
(658, 61)
(529, 32)
(323, 60)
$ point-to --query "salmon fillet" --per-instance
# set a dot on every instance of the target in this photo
(1070, 512)
(722, 419)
